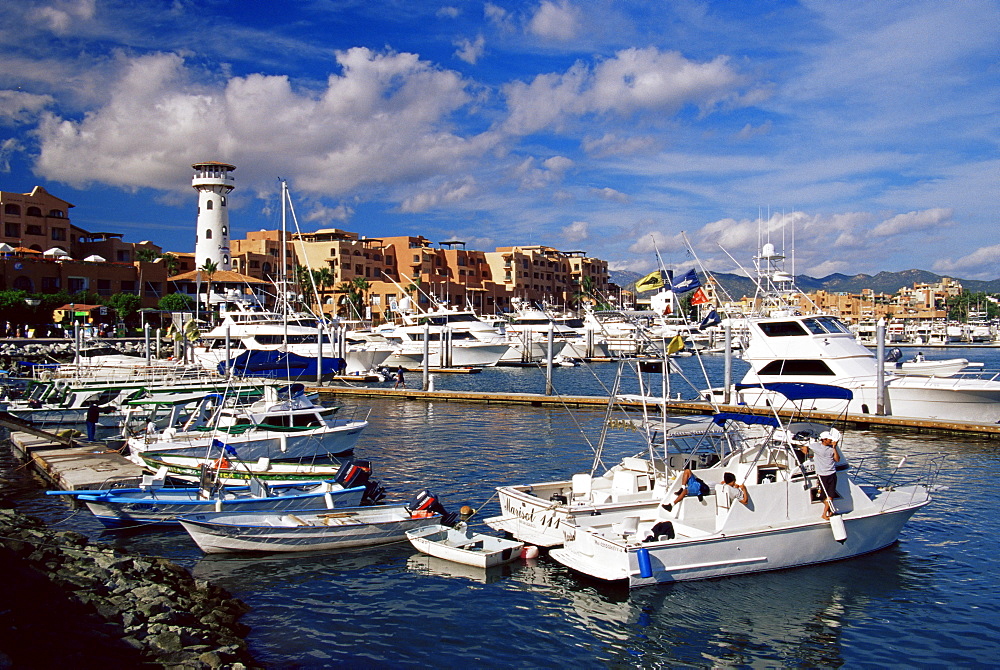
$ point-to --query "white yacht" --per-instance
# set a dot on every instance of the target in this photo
(783, 345)
(260, 330)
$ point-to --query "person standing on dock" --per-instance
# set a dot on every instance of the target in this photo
(400, 379)
(94, 412)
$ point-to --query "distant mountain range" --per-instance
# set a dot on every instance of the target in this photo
(884, 282)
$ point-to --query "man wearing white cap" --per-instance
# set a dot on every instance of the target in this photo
(825, 458)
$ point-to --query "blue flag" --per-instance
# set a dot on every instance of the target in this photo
(711, 319)
(217, 443)
(687, 282)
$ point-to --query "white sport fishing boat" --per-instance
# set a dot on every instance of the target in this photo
(538, 512)
(280, 427)
(783, 345)
(781, 525)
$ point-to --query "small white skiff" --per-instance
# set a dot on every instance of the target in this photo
(461, 545)
(304, 531)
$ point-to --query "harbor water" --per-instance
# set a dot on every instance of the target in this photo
(927, 601)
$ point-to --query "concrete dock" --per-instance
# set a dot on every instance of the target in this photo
(82, 466)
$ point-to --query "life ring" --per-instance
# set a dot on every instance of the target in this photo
(221, 464)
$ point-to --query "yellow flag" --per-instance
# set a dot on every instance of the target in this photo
(651, 281)
(675, 345)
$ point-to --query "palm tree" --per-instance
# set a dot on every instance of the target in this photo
(171, 263)
(361, 285)
(209, 268)
(348, 289)
(323, 277)
(147, 255)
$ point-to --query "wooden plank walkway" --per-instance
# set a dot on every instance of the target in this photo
(859, 421)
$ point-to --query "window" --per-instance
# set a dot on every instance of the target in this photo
(50, 284)
(208, 234)
(12, 209)
(208, 205)
(104, 287)
(34, 211)
(825, 324)
(782, 329)
(59, 234)
(225, 230)
(56, 213)
(128, 287)
(153, 289)
(33, 230)
(123, 256)
(12, 229)
(222, 201)
(807, 366)
(76, 284)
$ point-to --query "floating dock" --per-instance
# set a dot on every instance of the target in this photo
(858, 421)
(85, 465)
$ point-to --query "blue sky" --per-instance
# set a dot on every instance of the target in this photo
(868, 129)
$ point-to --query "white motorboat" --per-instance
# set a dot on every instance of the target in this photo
(783, 345)
(537, 512)
(781, 525)
(926, 367)
(236, 472)
(314, 530)
(247, 329)
(280, 427)
(461, 545)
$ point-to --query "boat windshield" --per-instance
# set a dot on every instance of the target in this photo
(824, 325)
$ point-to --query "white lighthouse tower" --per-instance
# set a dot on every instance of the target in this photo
(213, 181)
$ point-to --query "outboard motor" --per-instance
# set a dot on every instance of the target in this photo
(893, 355)
(354, 473)
(374, 492)
(426, 503)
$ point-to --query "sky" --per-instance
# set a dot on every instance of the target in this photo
(857, 136)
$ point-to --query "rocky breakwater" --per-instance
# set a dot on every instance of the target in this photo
(68, 602)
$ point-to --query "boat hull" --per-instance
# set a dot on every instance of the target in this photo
(359, 527)
(272, 444)
(725, 555)
(463, 546)
(164, 506)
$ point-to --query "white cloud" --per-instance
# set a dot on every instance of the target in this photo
(384, 119)
(447, 193)
(610, 195)
(557, 21)
(62, 16)
(929, 219)
(531, 177)
(576, 231)
(470, 51)
(323, 214)
(499, 17)
(656, 241)
(983, 263)
(448, 12)
(21, 107)
(634, 80)
(610, 144)
(7, 148)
